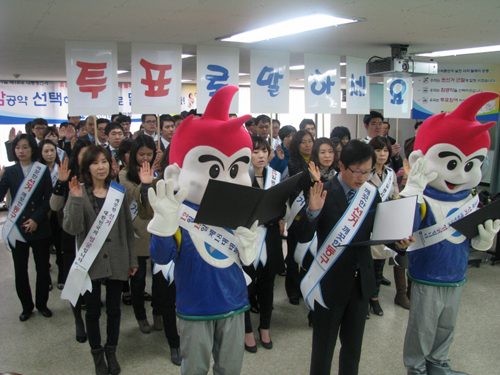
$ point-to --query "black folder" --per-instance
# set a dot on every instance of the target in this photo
(230, 206)
(468, 225)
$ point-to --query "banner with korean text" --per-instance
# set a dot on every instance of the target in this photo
(443, 92)
(216, 67)
(357, 87)
(397, 97)
(91, 72)
(269, 82)
(322, 83)
(156, 78)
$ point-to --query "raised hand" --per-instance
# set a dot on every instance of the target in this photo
(75, 188)
(12, 134)
(157, 162)
(70, 132)
(63, 172)
(418, 180)
(62, 132)
(146, 173)
(115, 168)
(317, 197)
(279, 152)
(314, 171)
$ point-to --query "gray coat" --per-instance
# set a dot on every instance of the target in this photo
(117, 254)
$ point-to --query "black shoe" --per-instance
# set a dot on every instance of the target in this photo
(255, 310)
(294, 300)
(147, 297)
(81, 339)
(24, 316)
(127, 300)
(60, 286)
(266, 345)
(175, 356)
(384, 281)
(375, 305)
(46, 313)
(251, 349)
(50, 287)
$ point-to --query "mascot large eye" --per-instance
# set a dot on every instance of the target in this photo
(234, 171)
(214, 171)
(469, 166)
(452, 164)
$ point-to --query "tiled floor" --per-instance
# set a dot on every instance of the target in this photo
(48, 346)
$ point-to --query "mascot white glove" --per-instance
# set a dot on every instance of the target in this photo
(417, 181)
(247, 238)
(166, 206)
(487, 232)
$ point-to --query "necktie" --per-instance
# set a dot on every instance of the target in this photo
(116, 156)
(350, 195)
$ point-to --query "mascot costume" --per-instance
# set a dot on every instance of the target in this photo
(446, 165)
(211, 286)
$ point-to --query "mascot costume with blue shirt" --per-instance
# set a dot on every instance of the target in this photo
(446, 165)
(211, 286)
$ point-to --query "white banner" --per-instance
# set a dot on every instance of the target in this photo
(156, 78)
(357, 87)
(322, 83)
(216, 67)
(91, 71)
(270, 83)
(22, 101)
(397, 97)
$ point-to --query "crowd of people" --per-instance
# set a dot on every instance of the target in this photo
(68, 179)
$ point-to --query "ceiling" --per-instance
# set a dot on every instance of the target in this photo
(33, 32)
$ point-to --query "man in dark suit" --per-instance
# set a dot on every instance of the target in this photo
(349, 282)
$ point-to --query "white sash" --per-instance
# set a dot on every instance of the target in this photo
(133, 212)
(343, 232)
(297, 205)
(10, 232)
(78, 281)
(54, 174)
(442, 230)
(61, 154)
(386, 186)
(219, 238)
(166, 269)
(301, 249)
(273, 178)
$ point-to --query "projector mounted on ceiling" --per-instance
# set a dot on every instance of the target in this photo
(399, 64)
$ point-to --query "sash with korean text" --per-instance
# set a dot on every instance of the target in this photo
(297, 205)
(342, 233)
(386, 186)
(54, 174)
(442, 230)
(273, 178)
(78, 281)
(219, 238)
(10, 232)
(61, 154)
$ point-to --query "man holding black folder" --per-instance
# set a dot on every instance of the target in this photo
(340, 279)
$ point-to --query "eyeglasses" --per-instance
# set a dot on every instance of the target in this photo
(40, 127)
(150, 122)
(363, 174)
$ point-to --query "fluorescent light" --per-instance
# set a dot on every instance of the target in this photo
(185, 55)
(300, 79)
(342, 77)
(243, 74)
(462, 51)
(290, 27)
(122, 71)
(297, 67)
(343, 63)
(186, 80)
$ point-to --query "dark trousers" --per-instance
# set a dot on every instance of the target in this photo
(113, 312)
(378, 268)
(165, 303)
(294, 273)
(262, 287)
(346, 320)
(56, 240)
(137, 287)
(41, 255)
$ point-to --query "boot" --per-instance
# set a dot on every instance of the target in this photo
(144, 326)
(441, 369)
(400, 280)
(100, 364)
(175, 356)
(114, 367)
(157, 322)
